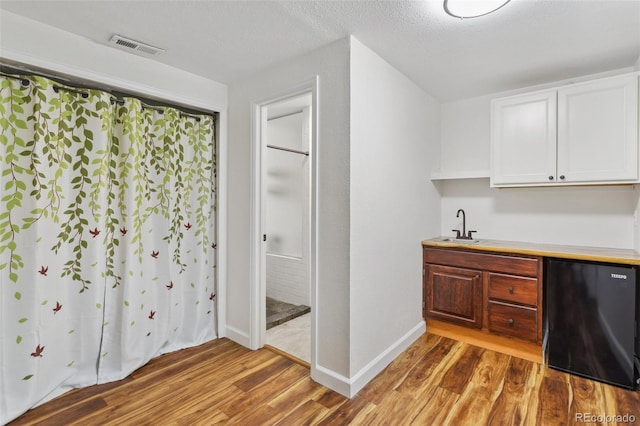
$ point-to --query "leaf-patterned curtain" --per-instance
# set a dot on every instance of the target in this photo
(107, 237)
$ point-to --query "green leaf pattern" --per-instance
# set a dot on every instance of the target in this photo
(102, 202)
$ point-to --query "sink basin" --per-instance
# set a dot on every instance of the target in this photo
(457, 240)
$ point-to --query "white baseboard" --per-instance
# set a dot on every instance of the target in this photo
(371, 370)
(240, 337)
(334, 381)
(349, 387)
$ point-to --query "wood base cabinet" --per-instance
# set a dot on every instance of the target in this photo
(496, 293)
(455, 295)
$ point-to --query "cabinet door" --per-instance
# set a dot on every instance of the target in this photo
(523, 139)
(598, 130)
(454, 295)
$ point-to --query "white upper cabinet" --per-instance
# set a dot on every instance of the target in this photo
(598, 130)
(523, 135)
(585, 133)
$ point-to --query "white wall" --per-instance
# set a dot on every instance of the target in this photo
(599, 216)
(394, 139)
(595, 216)
(331, 64)
(465, 136)
(31, 42)
(287, 280)
(377, 136)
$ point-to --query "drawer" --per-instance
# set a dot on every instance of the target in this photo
(501, 263)
(510, 288)
(514, 321)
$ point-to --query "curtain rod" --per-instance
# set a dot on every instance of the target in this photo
(24, 81)
(295, 151)
(56, 89)
(120, 101)
(116, 96)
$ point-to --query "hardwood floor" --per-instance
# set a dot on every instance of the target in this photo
(436, 381)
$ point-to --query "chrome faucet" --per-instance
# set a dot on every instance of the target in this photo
(464, 235)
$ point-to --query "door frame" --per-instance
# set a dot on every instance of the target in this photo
(257, 327)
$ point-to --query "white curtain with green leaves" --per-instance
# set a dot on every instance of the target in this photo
(107, 237)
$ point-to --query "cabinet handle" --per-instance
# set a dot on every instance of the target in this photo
(511, 321)
(511, 290)
(561, 177)
(550, 177)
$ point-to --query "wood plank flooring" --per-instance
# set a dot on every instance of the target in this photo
(436, 381)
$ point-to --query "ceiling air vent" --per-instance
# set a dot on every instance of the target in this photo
(135, 46)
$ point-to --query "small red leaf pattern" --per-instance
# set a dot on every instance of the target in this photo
(155, 254)
(214, 245)
(170, 285)
(151, 314)
(123, 231)
(94, 232)
(43, 270)
(38, 352)
(57, 308)
(212, 297)
(187, 225)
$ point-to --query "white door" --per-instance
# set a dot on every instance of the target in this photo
(598, 130)
(523, 139)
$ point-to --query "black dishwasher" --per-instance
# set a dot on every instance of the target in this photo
(592, 320)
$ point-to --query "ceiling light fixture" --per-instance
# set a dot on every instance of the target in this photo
(464, 9)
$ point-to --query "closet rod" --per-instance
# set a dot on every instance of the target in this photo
(284, 115)
(295, 151)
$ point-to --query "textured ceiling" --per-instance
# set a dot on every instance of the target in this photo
(525, 43)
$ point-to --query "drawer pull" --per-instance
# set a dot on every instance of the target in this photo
(511, 321)
(511, 290)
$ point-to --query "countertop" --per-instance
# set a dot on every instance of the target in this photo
(596, 254)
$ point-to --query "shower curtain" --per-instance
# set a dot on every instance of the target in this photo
(107, 237)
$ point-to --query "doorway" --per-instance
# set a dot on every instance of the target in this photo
(283, 254)
(286, 212)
